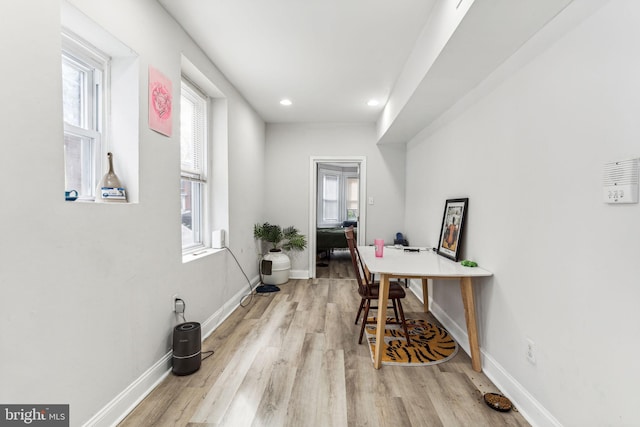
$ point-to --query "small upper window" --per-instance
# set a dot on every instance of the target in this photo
(193, 156)
(84, 71)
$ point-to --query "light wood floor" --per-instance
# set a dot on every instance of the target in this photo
(292, 359)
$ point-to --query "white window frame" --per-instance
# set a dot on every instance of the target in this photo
(333, 199)
(194, 170)
(347, 200)
(341, 175)
(81, 55)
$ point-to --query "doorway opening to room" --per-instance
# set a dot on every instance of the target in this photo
(338, 194)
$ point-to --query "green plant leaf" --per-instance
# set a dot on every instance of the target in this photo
(288, 238)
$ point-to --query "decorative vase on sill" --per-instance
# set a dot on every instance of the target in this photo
(110, 189)
(277, 271)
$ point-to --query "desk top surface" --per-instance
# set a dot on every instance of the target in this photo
(426, 263)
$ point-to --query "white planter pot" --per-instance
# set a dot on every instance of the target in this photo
(280, 268)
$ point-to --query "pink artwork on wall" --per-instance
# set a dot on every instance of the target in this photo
(160, 102)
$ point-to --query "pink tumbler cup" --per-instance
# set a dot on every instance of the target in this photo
(379, 244)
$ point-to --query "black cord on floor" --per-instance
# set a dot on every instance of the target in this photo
(208, 355)
(243, 300)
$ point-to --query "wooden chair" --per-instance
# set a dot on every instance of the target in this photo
(370, 291)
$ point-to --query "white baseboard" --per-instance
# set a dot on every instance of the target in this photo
(536, 414)
(130, 397)
(299, 274)
(116, 410)
(532, 410)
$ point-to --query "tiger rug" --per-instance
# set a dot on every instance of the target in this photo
(430, 344)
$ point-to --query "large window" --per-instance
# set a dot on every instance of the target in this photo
(330, 198)
(338, 190)
(193, 154)
(84, 71)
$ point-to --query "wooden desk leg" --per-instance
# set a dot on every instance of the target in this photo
(466, 288)
(425, 294)
(382, 320)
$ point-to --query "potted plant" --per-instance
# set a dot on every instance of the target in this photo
(276, 270)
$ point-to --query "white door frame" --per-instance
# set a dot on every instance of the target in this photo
(313, 205)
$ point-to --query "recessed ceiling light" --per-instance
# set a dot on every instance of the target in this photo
(373, 103)
(286, 102)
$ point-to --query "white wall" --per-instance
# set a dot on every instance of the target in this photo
(529, 155)
(288, 151)
(86, 288)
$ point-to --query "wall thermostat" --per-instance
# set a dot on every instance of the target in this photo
(621, 181)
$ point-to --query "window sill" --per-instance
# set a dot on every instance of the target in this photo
(93, 200)
(198, 253)
(89, 201)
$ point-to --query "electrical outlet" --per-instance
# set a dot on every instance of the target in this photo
(531, 351)
(174, 297)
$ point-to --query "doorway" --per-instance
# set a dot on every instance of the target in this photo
(323, 210)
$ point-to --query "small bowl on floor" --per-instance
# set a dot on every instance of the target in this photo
(498, 402)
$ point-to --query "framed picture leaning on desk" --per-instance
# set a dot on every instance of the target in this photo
(452, 226)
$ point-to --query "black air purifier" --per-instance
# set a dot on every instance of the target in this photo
(186, 348)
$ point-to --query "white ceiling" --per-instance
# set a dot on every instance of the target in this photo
(329, 57)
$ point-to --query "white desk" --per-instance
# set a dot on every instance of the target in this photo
(398, 264)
